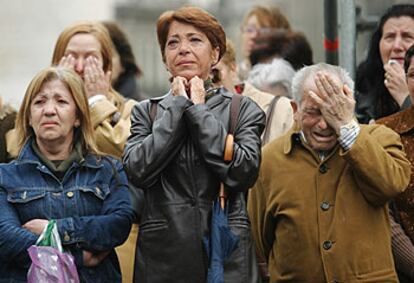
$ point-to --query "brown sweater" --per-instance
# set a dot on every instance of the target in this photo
(402, 218)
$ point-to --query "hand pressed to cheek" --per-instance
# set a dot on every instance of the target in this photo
(96, 81)
(67, 61)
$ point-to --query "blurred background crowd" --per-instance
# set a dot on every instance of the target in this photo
(29, 30)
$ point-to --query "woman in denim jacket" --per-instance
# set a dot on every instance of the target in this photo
(60, 175)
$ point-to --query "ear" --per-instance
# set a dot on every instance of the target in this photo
(215, 53)
(295, 107)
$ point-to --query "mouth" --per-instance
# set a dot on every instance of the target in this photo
(49, 124)
(400, 60)
(324, 137)
(185, 63)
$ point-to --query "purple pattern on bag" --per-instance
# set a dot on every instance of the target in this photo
(51, 266)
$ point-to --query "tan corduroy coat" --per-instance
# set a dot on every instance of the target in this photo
(327, 221)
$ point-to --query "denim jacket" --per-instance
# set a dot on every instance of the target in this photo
(91, 206)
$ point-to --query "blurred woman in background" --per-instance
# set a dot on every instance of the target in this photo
(125, 70)
(259, 20)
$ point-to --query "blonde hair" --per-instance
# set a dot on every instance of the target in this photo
(74, 84)
(268, 16)
(229, 58)
(99, 31)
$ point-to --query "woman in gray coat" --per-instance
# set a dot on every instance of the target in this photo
(175, 153)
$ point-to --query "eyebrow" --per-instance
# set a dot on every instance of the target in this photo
(187, 34)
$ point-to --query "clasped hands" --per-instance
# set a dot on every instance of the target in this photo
(335, 101)
(192, 89)
(94, 78)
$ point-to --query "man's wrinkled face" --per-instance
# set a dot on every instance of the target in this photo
(319, 135)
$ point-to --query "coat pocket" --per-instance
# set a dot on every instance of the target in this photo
(25, 196)
(29, 203)
(241, 266)
(99, 191)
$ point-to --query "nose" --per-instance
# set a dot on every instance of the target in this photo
(397, 44)
(322, 124)
(50, 108)
(184, 47)
(79, 66)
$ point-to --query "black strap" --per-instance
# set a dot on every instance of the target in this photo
(269, 117)
(153, 110)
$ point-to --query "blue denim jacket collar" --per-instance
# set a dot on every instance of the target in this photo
(27, 155)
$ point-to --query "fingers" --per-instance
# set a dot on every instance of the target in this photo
(179, 86)
(96, 80)
(328, 89)
(348, 91)
(198, 93)
(67, 62)
(315, 98)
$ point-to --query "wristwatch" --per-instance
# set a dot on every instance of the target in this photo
(346, 129)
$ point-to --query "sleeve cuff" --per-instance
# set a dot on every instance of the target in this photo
(66, 231)
(94, 99)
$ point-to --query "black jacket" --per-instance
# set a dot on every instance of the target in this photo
(178, 161)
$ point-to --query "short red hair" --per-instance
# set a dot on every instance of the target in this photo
(199, 19)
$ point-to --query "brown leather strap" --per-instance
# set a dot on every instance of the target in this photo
(234, 112)
(269, 117)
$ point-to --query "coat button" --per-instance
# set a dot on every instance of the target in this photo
(66, 237)
(323, 168)
(69, 194)
(325, 205)
(327, 245)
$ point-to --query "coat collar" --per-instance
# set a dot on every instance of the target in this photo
(218, 95)
(27, 155)
(293, 137)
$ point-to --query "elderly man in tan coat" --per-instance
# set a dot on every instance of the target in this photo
(318, 209)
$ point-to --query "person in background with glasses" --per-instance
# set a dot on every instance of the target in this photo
(259, 20)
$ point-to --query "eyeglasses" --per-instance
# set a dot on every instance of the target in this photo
(253, 29)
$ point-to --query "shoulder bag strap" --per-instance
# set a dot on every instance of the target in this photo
(269, 116)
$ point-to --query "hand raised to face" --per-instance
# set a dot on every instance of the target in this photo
(335, 102)
(96, 81)
(193, 89)
(395, 81)
(179, 86)
(198, 93)
(67, 61)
